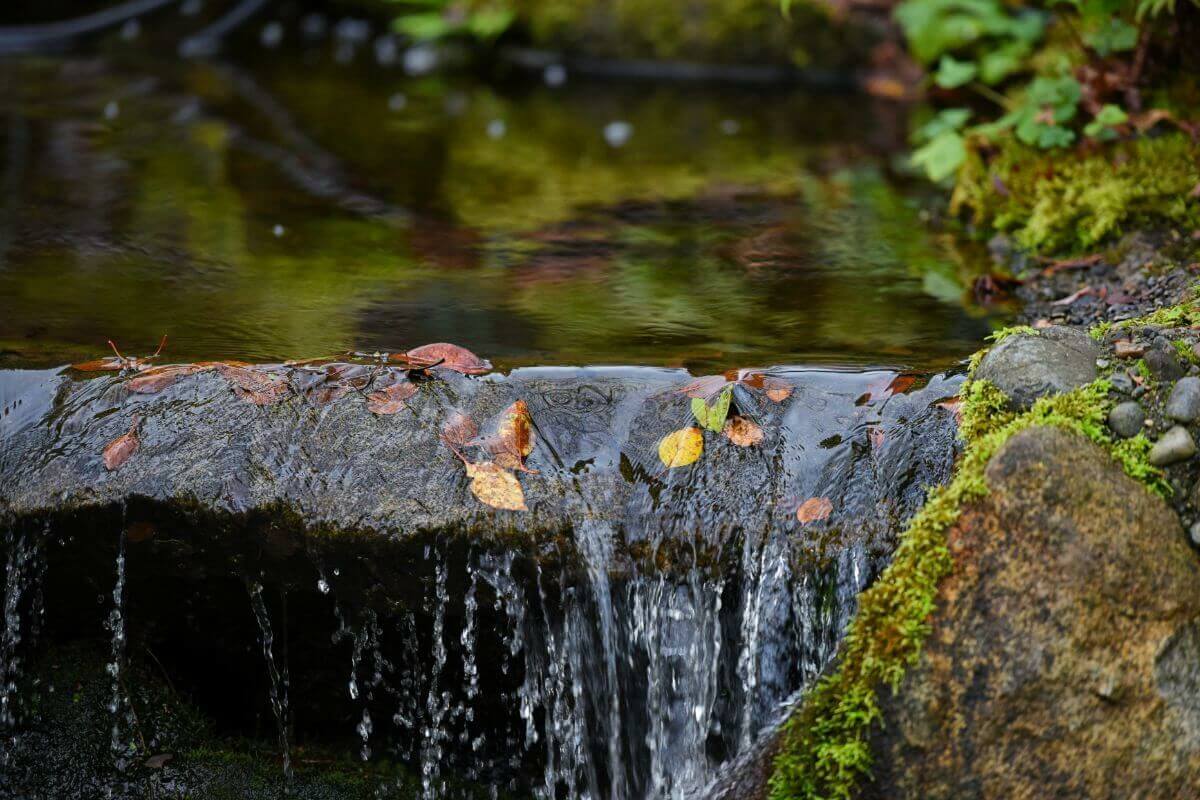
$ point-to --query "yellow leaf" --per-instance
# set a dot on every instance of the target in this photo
(681, 448)
(496, 487)
(742, 432)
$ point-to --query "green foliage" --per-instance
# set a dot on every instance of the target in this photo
(942, 147)
(1017, 48)
(428, 20)
(824, 748)
(712, 415)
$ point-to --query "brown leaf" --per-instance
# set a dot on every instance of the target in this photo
(391, 399)
(742, 432)
(814, 509)
(253, 385)
(450, 356)
(496, 486)
(516, 430)
(459, 430)
(118, 451)
(777, 390)
(155, 379)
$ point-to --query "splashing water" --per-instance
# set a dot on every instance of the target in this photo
(279, 678)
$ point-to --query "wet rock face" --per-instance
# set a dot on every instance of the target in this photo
(632, 630)
(1027, 366)
(1064, 647)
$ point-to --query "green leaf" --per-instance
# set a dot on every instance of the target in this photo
(713, 416)
(1112, 36)
(1102, 126)
(423, 27)
(488, 23)
(950, 119)
(953, 73)
(942, 157)
(998, 63)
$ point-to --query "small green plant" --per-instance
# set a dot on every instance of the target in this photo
(1047, 67)
(429, 20)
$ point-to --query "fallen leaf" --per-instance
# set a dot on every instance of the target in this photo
(155, 379)
(1042, 324)
(390, 400)
(876, 435)
(459, 430)
(449, 356)
(1085, 291)
(118, 362)
(1124, 348)
(742, 431)
(814, 509)
(712, 416)
(118, 451)
(514, 437)
(777, 390)
(496, 486)
(682, 447)
(253, 385)
(158, 761)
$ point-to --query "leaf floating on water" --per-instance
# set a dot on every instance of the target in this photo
(704, 387)
(449, 356)
(155, 379)
(496, 486)
(814, 509)
(391, 399)
(777, 390)
(743, 432)
(118, 362)
(713, 416)
(118, 451)
(682, 447)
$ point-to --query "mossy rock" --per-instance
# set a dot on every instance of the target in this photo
(1072, 201)
(1064, 651)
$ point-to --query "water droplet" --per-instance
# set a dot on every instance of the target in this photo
(496, 129)
(278, 231)
(617, 133)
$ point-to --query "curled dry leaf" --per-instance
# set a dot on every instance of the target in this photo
(496, 486)
(155, 379)
(118, 451)
(449, 356)
(742, 431)
(391, 399)
(814, 509)
(682, 447)
(118, 362)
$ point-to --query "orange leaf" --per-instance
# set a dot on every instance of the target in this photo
(814, 509)
(742, 432)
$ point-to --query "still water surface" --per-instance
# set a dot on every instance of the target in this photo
(293, 207)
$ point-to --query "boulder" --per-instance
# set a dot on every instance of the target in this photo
(1064, 658)
(1026, 366)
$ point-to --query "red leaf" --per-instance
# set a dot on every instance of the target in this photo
(450, 356)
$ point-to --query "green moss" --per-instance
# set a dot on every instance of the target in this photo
(1185, 351)
(1072, 201)
(730, 31)
(824, 748)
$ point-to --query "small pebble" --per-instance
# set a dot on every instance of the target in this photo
(1184, 403)
(1127, 349)
(397, 102)
(554, 75)
(1122, 382)
(271, 35)
(1102, 363)
(1127, 419)
(617, 133)
(496, 129)
(112, 110)
(1194, 533)
(1175, 445)
(278, 231)
(730, 127)
(1163, 364)
(420, 60)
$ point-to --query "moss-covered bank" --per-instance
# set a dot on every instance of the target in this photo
(824, 749)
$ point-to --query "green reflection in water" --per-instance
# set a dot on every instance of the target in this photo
(730, 229)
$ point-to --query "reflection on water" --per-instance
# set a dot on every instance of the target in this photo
(298, 207)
